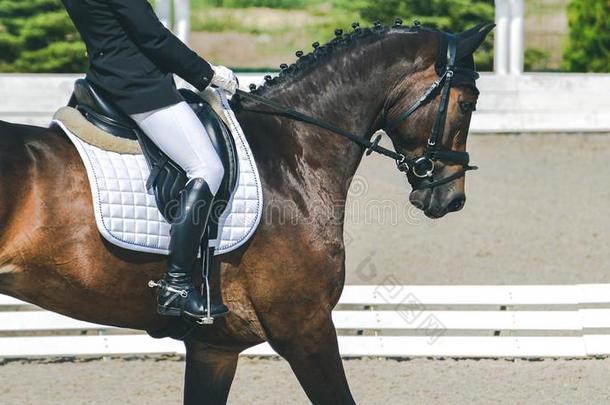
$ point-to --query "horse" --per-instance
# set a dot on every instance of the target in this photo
(283, 284)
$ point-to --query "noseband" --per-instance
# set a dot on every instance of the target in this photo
(422, 167)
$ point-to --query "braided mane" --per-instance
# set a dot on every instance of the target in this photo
(321, 53)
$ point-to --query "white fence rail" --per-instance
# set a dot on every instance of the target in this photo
(395, 321)
(526, 103)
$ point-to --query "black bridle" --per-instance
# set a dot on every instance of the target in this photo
(422, 167)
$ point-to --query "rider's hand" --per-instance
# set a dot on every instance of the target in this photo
(225, 79)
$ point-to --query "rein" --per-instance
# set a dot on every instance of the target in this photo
(279, 110)
(421, 167)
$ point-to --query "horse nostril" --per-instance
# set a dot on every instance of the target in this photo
(457, 204)
(418, 204)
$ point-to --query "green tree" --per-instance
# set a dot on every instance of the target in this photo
(38, 36)
(588, 47)
(446, 15)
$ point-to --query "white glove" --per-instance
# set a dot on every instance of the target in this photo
(225, 79)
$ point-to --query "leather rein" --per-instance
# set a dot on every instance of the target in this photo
(421, 167)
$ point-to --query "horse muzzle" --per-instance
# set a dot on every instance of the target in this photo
(438, 203)
(437, 198)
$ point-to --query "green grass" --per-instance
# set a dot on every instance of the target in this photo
(204, 22)
(322, 17)
(270, 35)
(542, 7)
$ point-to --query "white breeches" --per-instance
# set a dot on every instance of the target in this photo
(177, 131)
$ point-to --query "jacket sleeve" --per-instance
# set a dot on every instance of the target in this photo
(158, 43)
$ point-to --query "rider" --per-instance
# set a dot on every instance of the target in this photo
(132, 57)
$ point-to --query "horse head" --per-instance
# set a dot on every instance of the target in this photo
(430, 128)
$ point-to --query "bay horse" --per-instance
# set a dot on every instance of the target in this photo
(282, 286)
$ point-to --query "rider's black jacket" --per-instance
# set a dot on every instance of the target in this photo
(132, 55)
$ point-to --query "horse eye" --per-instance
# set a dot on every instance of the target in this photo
(466, 106)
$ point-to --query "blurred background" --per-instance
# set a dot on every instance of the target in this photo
(537, 211)
(560, 35)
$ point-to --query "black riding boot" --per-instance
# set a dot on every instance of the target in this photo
(176, 294)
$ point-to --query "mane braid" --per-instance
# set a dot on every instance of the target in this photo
(323, 52)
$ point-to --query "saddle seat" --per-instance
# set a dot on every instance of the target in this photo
(166, 178)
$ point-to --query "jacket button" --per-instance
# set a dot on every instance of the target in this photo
(101, 54)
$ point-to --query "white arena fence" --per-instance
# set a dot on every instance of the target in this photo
(383, 321)
(533, 102)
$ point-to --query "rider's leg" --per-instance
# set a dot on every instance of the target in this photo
(177, 131)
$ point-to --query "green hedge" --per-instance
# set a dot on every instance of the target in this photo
(588, 48)
(38, 36)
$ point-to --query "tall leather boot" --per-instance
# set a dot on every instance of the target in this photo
(176, 295)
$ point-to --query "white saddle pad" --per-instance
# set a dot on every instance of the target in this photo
(127, 215)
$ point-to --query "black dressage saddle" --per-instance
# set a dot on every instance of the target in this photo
(166, 178)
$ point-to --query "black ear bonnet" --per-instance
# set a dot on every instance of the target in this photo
(465, 74)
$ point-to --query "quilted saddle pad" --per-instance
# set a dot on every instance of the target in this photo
(127, 215)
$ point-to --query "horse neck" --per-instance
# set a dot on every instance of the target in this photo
(349, 92)
(19, 145)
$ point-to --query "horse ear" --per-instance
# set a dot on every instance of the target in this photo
(470, 40)
(471, 31)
